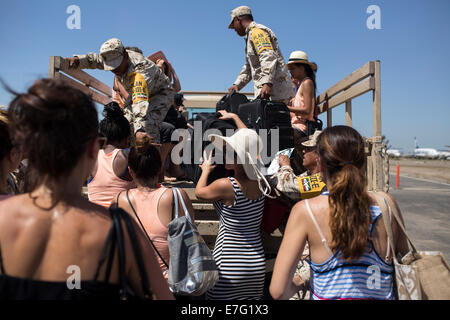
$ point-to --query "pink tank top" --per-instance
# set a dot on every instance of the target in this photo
(106, 185)
(298, 102)
(146, 206)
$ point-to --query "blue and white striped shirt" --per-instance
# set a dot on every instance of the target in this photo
(369, 277)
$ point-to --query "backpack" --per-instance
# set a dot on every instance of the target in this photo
(192, 268)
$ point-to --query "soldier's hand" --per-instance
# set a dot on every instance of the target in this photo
(266, 91)
(74, 62)
(283, 160)
(233, 87)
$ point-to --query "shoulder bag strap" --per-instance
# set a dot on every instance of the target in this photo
(145, 231)
(137, 254)
(186, 212)
(396, 215)
(2, 270)
(175, 203)
(125, 291)
(385, 215)
(111, 244)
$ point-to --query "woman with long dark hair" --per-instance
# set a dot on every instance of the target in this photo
(303, 104)
(53, 238)
(344, 229)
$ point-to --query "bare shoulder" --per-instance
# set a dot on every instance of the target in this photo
(223, 183)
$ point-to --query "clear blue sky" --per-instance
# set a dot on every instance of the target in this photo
(413, 46)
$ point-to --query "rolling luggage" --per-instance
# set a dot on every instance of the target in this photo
(230, 102)
(265, 114)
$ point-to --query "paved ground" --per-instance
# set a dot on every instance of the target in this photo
(425, 206)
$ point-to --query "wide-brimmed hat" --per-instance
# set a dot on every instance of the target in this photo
(237, 12)
(247, 145)
(301, 57)
(312, 139)
(112, 52)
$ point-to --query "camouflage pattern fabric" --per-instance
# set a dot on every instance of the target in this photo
(149, 87)
(265, 64)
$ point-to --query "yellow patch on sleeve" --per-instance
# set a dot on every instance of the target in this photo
(261, 40)
(139, 88)
(310, 186)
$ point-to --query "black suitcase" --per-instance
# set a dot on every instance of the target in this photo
(230, 102)
(210, 120)
(265, 114)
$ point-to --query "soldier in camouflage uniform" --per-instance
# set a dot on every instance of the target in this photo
(264, 62)
(150, 90)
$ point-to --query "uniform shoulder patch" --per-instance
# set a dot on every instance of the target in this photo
(310, 186)
(261, 40)
(139, 88)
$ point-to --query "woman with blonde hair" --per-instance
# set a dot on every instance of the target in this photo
(344, 228)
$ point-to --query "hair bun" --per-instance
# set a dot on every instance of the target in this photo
(112, 111)
(142, 143)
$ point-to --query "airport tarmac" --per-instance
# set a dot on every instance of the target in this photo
(425, 205)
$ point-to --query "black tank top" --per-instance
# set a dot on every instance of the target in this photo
(13, 288)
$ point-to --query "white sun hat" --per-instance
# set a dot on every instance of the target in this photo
(247, 145)
(301, 57)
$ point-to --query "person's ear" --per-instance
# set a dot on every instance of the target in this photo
(93, 148)
(15, 156)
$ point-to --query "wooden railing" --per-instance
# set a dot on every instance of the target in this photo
(99, 92)
(363, 80)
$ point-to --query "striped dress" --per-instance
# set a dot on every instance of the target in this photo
(238, 251)
(369, 277)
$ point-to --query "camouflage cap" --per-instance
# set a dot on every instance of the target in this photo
(237, 12)
(112, 53)
(312, 139)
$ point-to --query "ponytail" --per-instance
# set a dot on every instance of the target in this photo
(341, 150)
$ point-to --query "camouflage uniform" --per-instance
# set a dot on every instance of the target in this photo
(149, 87)
(265, 64)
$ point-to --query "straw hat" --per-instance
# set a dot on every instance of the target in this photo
(301, 57)
(247, 145)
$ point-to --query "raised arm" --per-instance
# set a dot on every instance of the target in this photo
(86, 61)
(220, 189)
(228, 115)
